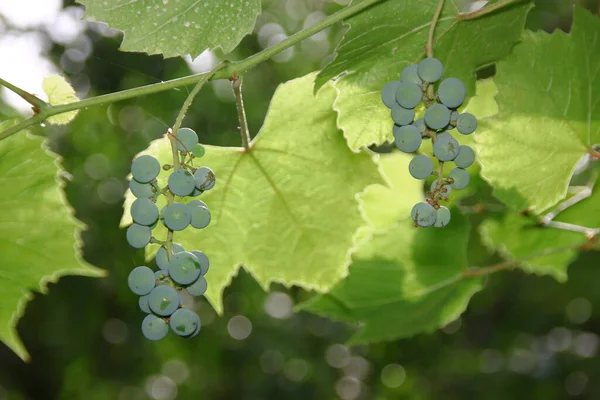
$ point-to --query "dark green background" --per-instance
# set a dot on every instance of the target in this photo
(516, 340)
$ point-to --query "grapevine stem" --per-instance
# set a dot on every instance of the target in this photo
(221, 71)
(486, 10)
(236, 85)
(35, 101)
(436, 16)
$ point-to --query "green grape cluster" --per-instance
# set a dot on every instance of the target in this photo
(179, 270)
(439, 118)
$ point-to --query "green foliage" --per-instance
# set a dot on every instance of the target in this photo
(391, 35)
(548, 119)
(286, 210)
(59, 92)
(402, 281)
(176, 28)
(38, 230)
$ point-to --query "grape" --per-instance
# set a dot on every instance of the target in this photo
(196, 192)
(205, 178)
(184, 322)
(143, 303)
(203, 259)
(408, 138)
(181, 183)
(437, 116)
(177, 216)
(184, 268)
(465, 157)
(144, 212)
(461, 178)
(154, 328)
(454, 116)
(420, 167)
(452, 92)
(423, 214)
(164, 300)
(161, 256)
(420, 125)
(388, 94)
(141, 280)
(197, 288)
(140, 189)
(443, 217)
(403, 116)
(161, 276)
(430, 69)
(445, 147)
(445, 190)
(197, 203)
(199, 150)
(409, 74)
(200, 215)
(408, 94)
(449, 127)
(466, 123)
(145, 168)
(187, 139)
(138, 236)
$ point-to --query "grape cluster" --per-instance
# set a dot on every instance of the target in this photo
(159, 291)
(438, 119)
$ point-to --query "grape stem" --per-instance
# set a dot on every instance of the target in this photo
(236, 85)
(224, 70)
(434, 21)
(486, 10)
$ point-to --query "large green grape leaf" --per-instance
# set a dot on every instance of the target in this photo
(387, 37)
(544, 250)
(548, 97)
(286, 210)
(39, 239)
(176, 27)
(405, 280)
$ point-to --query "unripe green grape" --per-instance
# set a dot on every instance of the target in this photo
(420, 167)
(186, 140)
(184, 322)
(408, 138)
(199, 151)
(184, 268)
(162, 261)
(198, 288)
(138, 236)
(452, 92)
(466, 123)
(409, 74)
(205, 178)
(164, 300)
(465, 157)
(154, 328)
(461, 178)
(430, 69)
(445, 147)
(203, 260)
(177, 216)
(402, 116)
(141, 280)
(144, 212)
(181, 183)
(388, 94)
(408, 94)
(145, 168)
(437, 116)
(442, 218)
(140, 190)
(423, 214)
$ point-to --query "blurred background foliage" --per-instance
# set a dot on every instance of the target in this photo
(523, 337)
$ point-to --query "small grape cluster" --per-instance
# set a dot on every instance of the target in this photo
(178, 269)
(440, 117)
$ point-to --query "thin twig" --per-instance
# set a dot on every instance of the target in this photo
(486, 10)
(236, 85)
(35, 101)
(434, 21)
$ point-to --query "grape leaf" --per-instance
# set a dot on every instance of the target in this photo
(387, 37)
(176, 27)
(39, 239)
(404, 280)
(544, 251)
(59, 91)
(287, 209)
(549, 92)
